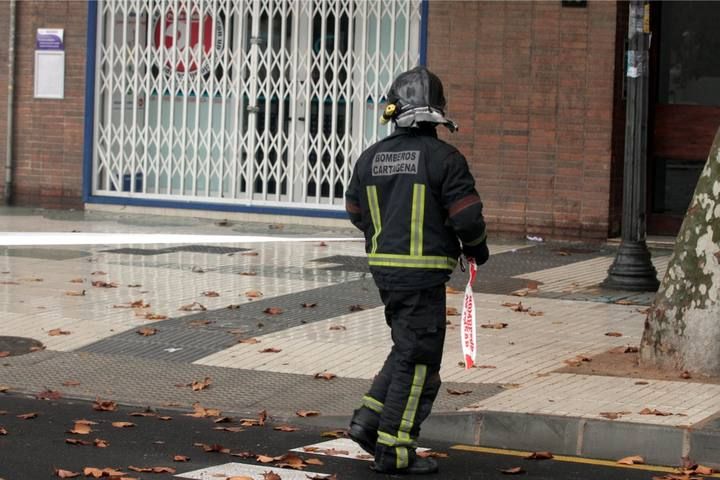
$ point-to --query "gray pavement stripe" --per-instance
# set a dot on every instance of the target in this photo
(143, 382)
(198, 342)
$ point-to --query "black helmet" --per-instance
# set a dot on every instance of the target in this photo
(416, 96)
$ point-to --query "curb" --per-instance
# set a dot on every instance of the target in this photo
(573, 436)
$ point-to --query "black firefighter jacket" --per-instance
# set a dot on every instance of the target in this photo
(413, 197)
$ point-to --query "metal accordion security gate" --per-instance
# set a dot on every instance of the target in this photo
(245, 102)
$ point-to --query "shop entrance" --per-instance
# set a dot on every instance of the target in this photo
(684, 106)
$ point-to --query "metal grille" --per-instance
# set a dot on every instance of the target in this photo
(255, 102)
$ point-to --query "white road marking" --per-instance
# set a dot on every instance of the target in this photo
(252, 471)
(331, 447)
(91, 238)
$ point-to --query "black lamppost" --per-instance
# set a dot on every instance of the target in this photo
(632, 268)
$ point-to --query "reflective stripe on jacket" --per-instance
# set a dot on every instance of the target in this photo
(414, 198)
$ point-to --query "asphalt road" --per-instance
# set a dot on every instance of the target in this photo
(34, 447)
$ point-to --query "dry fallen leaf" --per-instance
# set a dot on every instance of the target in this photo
(685, 375)
(624, 302)
(265, 459)
(70, 383)
(334, 434)
(271, 476)
(230, 429)
(290, 460)
(122, 424)
(147, 331)
(155, 316)
(652, 411)
(104, 405)
(198, 385)
(193, 307)
(101, 284)
(100, 443)
(577, 361)
(286, 428)
(325, 375)
(273, 311)
(75, 293)
(516, 307)
(309, 305)
(215, 448)
(432, 454)
(202, 412)
(210, 293)
(452, 291)
(152, 469)
(200, 323)
(253, 294)
(613, 415)
(242, 477)
(181, 458)
(249, 274)
(458, 392)
(270, 350)
(307, 413)
(105, 472)
(49, 395)
(496, 326)
(134, 304)
(337, 327)
(634, 460)
(536, 314)
(249, 341)
(703, 470)
(27, 416)
(540, 456)
(3, 431)
(613, 334)
(356, 308)
(512, 471)
(66, 473)
(314, 461)
(77, 441)
(57, 331)
(4, 354)
(451, 311)
(80, 428)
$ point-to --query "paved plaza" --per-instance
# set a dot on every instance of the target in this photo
(261, 308)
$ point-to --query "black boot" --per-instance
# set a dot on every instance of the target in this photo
(363, 429)
(419, 466)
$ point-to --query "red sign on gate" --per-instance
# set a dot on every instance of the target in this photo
(181, 38)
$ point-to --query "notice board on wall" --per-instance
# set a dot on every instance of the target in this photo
(49, 63)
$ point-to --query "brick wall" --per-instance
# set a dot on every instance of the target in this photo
(531, 85)
(4, 22)
(48, 133)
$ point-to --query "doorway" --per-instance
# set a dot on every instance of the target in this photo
(685, 106)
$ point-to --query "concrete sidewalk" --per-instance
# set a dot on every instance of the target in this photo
(307, 307)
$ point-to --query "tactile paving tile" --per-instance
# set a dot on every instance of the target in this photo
(43, 253)
(195, 343)
(140, 381)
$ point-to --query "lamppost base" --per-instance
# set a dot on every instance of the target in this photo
(632, 269)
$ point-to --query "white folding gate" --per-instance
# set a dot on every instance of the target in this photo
(264, 102)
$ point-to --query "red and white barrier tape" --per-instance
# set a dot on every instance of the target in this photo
(468, 332)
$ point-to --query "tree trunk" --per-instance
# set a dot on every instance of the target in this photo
(682, 330)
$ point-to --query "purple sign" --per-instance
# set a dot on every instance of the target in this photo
(49, 39)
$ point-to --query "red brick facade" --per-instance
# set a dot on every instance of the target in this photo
(531, 85)
(48, 134)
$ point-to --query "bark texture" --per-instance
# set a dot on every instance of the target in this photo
(682, 330)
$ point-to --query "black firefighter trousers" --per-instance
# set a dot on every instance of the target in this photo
(403, 392)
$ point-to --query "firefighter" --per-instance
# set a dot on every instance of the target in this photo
(414, 198)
